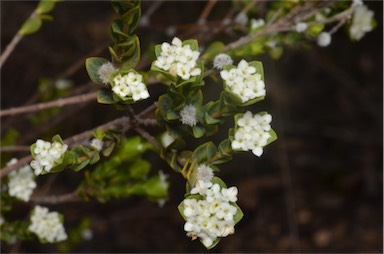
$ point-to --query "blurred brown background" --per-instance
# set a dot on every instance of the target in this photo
(318, 188)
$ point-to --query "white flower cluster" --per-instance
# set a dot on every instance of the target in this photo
(244, 81)
(252, 133)
(47, 155)
(21, 182)
(188, 115)
(47, 225)
(130, 85)
(361, 22)
(178, 60)
(213, 216)
(301, 27)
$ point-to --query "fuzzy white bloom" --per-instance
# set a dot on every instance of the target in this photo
(188, 115)
(97, 144)
(361, 22)
(105, 71)
(241, 19)
(212, 216)
(130, 85)
(21, 182)
(252, 133)
(178, 60)
(222, 60)
(324, 39)
(204, 172)
(256, 23)
(47, 155)
(301, 27)
(47, 225)
(244, 81)
(62, 84)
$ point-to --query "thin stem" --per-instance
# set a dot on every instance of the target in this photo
(118, 124)
(14, 149)
(207, 10)
(57, 103)
(70, 197)
(10, 47)
(148, 137)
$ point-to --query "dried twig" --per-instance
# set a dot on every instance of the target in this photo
(57, 103)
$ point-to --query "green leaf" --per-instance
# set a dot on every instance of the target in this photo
(172, 115)
(192, 43)
(273, 137)
(105, 96)
(239, 214)
(204, 152)
(93, 64)
(213, 50)
(31, 26)
(211, 120)
(139, 169)
(57, 138)
(45, 6)
(198, 131)
(108, 150)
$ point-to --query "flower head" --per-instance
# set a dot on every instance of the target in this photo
(252, 133)
(47, 155)
(213, 215)
(301, 27)
(324, 39)
(222, 60)
(188, 115)
(178, 60)
(130, 85)
(21, 182)
(97, 144)
(204, 172)
(244, 81)
(47, 225)
(361, 22)
(105, 71)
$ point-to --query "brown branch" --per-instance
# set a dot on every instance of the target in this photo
(122, 124)
(10, 47)
(70, 197)
(14, 149)
(207, 10)
(148, 137)
(57, 103)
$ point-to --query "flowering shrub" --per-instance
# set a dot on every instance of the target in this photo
(182, 113)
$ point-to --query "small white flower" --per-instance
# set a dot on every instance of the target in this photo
(188, 115)
(21, 183)
(222, 60)
(105, 71)
(361, 22)
(47, 225)
(204, 173)
(256, 23)
(97, 144)
(167, 139)
(324, 39)
(230, 194)
(301, 27)
(241, 19)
